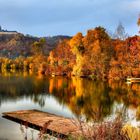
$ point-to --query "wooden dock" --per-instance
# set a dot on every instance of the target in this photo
(133, 80)
(57, 126)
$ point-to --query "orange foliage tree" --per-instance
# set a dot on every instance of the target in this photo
(93, 53)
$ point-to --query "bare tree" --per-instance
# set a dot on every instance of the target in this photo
(120, 32)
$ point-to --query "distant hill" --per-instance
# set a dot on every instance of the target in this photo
(53, 41)
(14, 44)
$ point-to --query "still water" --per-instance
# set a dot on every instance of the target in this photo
(72, 98)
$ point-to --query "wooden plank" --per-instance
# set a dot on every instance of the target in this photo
(132, 79)
(43, 120)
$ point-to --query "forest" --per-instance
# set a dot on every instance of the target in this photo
(96, 55)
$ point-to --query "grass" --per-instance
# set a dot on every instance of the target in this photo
(109, 130)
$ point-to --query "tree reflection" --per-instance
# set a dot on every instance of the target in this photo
(94, 100)
(16, 87)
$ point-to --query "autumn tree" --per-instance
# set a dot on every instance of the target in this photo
(134, 55)
(78, 49)
(93, 53)
(62, 53)
(126, 61)
(38, 47)
(98, 51)
(61, 59)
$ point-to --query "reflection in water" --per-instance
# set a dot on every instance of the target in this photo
(84, 97)
(94, 100)
(15, 88)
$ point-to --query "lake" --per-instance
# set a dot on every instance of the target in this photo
(69, 97)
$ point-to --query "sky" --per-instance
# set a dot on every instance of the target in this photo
(67, 17)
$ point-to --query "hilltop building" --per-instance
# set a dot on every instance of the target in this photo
(2, 31)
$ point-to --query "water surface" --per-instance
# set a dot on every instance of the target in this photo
(75, 97)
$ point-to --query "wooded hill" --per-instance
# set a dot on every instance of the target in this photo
(15, 45)
(95, 55)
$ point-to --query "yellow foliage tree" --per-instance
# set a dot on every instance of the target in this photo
(78, 49)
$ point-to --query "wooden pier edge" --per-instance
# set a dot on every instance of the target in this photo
(133, 80)
(55, 125)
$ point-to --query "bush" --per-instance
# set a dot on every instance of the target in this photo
(110, 130)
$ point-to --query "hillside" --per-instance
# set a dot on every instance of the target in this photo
(95, 55)
(17, 44)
